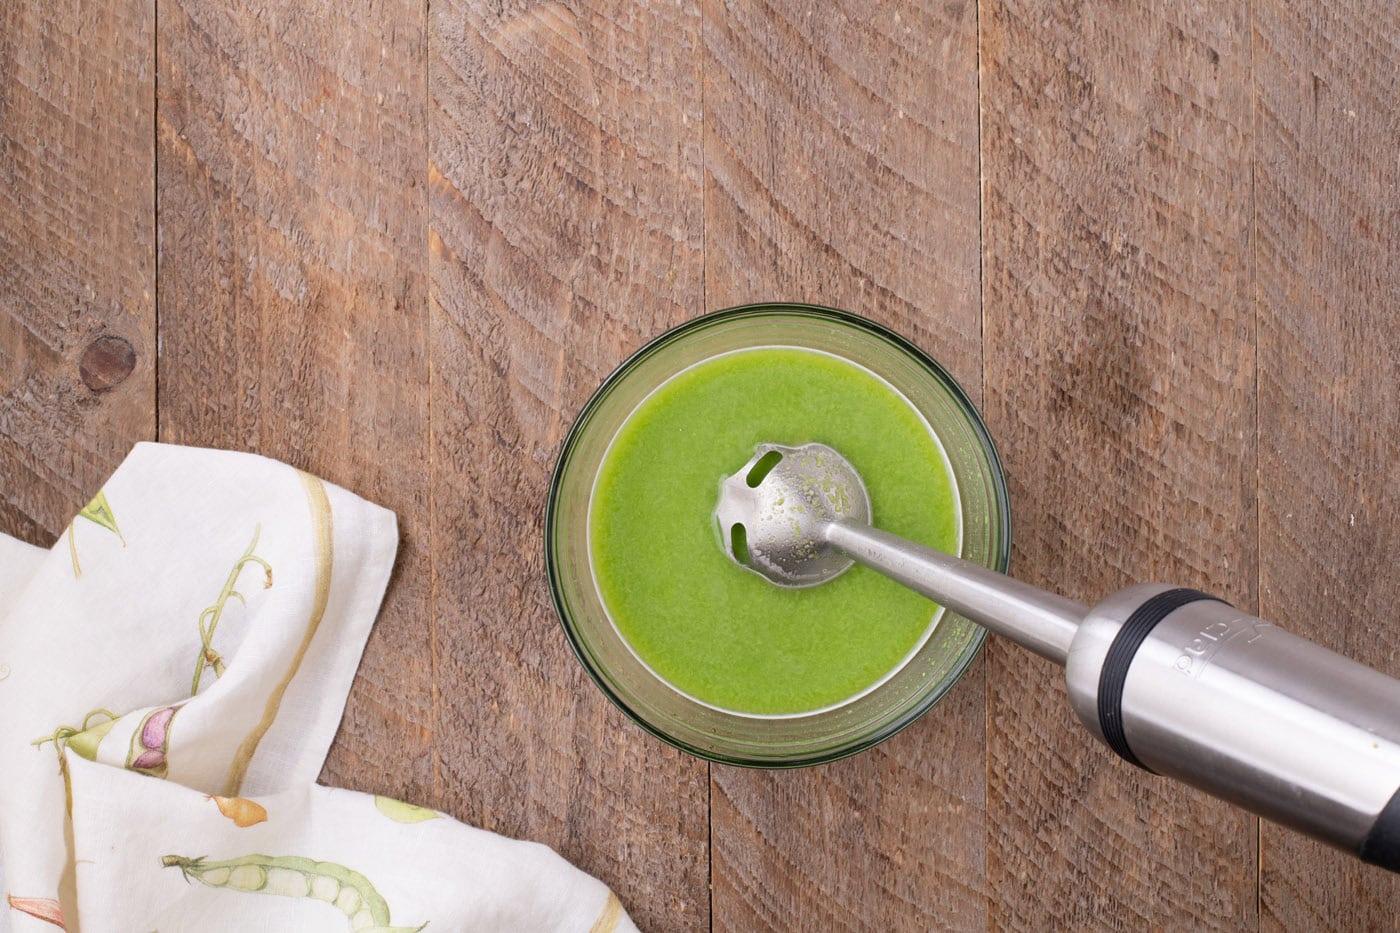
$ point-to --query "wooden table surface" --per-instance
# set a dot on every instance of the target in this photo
(399, 243)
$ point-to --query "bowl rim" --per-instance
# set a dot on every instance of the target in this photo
(754, 309)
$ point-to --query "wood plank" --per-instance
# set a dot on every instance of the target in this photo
(77, 253)
(566, 229)
(293, 295)
(841, 168)
(1120, 384)
(1328, 193)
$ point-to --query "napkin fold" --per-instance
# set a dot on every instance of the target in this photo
(172, 674)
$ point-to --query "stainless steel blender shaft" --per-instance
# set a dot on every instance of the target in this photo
(1173, 680)
(1041, 621)
(1182, 684)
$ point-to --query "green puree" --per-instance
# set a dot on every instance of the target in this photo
(723, 634)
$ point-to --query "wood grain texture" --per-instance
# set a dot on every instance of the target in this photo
(77, 252)
(293, 295)
(398, 244)
(841, 168)
(1120, 384)
(1328, 192)
(566, 230)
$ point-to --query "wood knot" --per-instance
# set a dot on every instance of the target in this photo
(106, 363)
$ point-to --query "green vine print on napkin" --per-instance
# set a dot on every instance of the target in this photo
(209, 618)
(293, 876)
(323, 542)
(99, 512)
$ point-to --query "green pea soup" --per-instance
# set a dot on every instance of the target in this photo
(722, 634)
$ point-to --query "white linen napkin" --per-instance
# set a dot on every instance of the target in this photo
(172, 673)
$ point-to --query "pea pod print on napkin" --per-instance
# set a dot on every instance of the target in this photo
(85, 743)
(149, 746)
(293, 876)
(151, 743)
(83, 739)
(99, 512)
(241, 810)
(401, 812)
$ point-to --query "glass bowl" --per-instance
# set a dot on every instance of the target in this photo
(736, 738)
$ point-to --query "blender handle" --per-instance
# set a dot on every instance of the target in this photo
(1182, 684)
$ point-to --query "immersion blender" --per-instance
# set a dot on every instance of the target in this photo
(1175, 681)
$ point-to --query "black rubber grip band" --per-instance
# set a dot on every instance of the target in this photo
(1120, 657)
(1382, 844)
